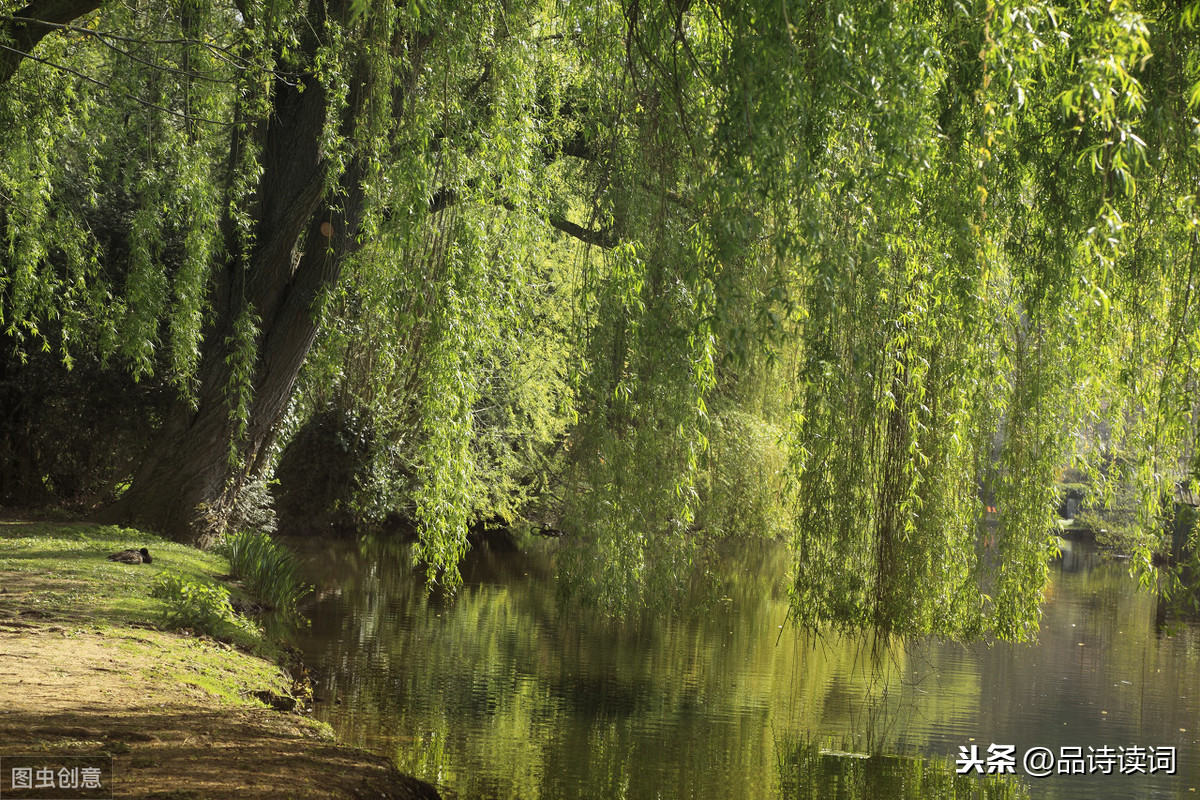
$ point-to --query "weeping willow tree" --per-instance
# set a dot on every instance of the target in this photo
(848, 273)
(942, 247)
(276, 169)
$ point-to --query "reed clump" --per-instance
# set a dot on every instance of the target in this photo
(267, 570)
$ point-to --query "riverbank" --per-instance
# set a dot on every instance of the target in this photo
(87, 668)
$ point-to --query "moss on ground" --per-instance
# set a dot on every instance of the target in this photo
(59, 575)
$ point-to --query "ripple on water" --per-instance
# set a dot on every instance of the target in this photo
(503, 693)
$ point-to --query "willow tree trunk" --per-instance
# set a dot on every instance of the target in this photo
(187, 483)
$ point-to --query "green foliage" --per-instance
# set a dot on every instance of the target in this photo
(884, 265)
(267, 569)
(441, 354)
(1180, 586)
(746, 493)
(935, 220)
(1115, 522)
(241, 346)
(201, 606)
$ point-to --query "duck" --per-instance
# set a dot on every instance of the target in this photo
(132, 556)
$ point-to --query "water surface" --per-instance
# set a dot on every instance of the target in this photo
(504, 692)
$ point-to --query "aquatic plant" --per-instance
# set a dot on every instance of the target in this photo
(267, 570)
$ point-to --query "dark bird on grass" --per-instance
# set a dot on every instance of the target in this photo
(132, 556)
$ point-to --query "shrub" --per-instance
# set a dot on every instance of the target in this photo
(267, 570)
(203, 607)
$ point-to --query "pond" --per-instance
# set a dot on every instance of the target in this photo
(504, 692)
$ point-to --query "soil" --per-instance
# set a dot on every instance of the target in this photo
(67, 690)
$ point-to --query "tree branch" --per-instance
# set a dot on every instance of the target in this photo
(5, 50)
(445, 197)
(599, 238)
(36, 20)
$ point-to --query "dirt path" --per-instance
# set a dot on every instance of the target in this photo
(76, 693)
(177, 713)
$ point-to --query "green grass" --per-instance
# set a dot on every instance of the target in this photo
(205, 666)
(60, 572)
(56, 576)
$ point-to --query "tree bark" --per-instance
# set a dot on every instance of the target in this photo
(187, 484)
(186, 487)
(21, 32)
(183, 486)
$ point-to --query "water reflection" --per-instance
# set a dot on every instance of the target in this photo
(503, 693)
(808, 771)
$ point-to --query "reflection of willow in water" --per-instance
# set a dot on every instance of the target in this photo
(879, 694)
(505, 691)
(547, 699)
(808, 771)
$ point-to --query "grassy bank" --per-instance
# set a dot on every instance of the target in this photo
(90, 666)
(76, 583)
